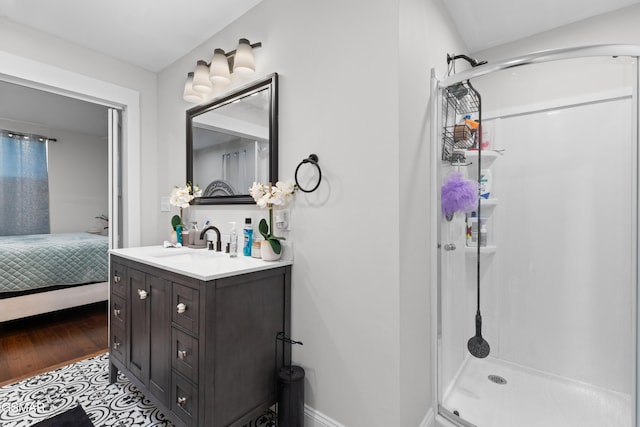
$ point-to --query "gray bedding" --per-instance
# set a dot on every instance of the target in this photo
(37, 261)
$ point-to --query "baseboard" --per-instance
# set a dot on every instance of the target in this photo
(429, 420)
(313, 418)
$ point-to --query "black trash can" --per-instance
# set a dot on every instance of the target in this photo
(291, 396)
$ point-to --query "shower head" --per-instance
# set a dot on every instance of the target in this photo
(478, 346)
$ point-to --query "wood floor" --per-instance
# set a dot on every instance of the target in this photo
(41, 343)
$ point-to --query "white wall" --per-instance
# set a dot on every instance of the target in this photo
(344, 97)
(78, 177)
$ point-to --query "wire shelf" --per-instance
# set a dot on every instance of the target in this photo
(459, 100)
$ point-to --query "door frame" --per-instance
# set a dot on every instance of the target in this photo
(27, 72)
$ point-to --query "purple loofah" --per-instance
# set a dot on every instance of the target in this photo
(458, 194)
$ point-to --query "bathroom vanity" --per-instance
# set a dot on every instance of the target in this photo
(196, 331)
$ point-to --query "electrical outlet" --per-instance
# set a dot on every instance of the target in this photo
(282, 219)
(164, 204)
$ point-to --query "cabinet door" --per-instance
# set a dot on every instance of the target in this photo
(138, 348)
(159, 301)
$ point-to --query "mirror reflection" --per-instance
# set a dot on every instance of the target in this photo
(231, 143)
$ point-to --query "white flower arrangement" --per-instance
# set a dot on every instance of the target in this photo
(181, 197)
(268, 196)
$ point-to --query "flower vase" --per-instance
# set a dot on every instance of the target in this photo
(267, 253)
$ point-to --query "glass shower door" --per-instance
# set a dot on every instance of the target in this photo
(558, 268)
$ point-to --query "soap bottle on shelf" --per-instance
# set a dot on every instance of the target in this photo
(482, 235)
(472, 229)
(233, 240)
(247, 232)
(485, 183)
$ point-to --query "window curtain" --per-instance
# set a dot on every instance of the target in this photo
(24, 185)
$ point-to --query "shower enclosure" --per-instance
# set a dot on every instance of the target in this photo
(549, 254)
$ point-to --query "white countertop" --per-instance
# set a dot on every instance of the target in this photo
(200, 264)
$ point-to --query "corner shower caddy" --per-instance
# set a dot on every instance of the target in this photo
(460, 100)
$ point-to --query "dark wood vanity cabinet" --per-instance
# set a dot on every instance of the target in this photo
(202, 351)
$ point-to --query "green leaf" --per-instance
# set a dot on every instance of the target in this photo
(275, 245)
(176, 221)
(263, 228)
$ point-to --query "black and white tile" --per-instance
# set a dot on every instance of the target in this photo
(83, 383)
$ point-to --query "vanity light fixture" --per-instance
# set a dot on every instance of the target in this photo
(206, 76)
(201, 82)
(191, 95)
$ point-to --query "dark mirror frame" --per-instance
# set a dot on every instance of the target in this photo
(271, 83)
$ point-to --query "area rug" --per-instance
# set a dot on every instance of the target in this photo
(84, 383)
(74, 417)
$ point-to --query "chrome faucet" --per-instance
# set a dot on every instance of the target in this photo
(219, 240)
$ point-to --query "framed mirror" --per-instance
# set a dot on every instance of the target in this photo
(232, 141)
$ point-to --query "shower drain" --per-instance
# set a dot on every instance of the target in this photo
(497, 379)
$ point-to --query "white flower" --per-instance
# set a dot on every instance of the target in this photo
(257, 191)
(181, 197)
(269, 196)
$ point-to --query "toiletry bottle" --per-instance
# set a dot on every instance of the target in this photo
(485, 183)
(472, 229)
(194, 233)
(482, 236)
(248, 237)
(233, 240)
(179, 233)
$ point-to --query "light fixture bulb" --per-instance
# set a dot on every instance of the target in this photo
(201, 82)
(219, 71)
(243, 63)
(191, 95)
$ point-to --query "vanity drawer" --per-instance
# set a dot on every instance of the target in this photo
(184, 400)
(184, 349)
(118, 274)
(117, 343)
(117, 312)
(185, 307)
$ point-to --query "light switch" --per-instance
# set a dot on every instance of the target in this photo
(164, 204)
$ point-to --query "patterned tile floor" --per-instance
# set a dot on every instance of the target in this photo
(86, 383)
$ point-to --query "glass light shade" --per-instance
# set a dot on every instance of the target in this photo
(201, 82)
(191, 95)
(243, 63)
(219, 71)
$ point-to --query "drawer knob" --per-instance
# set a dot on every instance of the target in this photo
(181, 308)
(182, 401)
(182, 354)
(116, 312)
(116, 278)
(142, 293)
(116, 345)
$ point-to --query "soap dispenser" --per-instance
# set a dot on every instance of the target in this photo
(233, 240)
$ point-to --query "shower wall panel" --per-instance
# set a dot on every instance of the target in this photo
(563, 290)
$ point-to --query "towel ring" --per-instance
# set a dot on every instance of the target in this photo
(313, 159)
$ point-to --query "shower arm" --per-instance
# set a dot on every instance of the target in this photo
(474, 62)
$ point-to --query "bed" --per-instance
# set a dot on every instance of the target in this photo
(48, 272)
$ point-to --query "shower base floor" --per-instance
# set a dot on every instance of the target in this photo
(531, 398)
